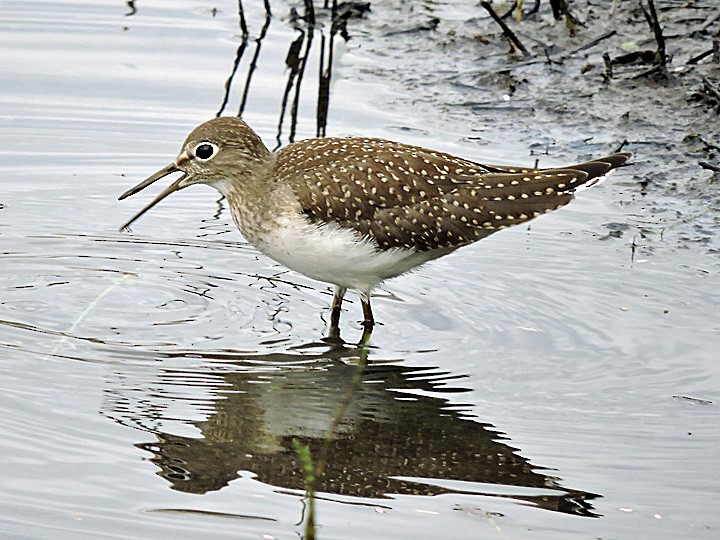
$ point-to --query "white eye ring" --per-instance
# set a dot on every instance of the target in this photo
(205, 151)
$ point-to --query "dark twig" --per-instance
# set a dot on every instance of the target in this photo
(325, 74)
(654, 23)
(534, 9)
(590, 44)
(228, 83)
(557, 9)
(711, 89)
(253, 63)
(508, 33)
(309, 13)
(620, 149)
(510, 10)
(300, 74)
(560, 8)
(547, 57)
(709, 145)
(293, 62)
(608, 68)
(243, 23)
(238, 57)
(709, 166)
(652, 71)
(324, 78)
(695, 59)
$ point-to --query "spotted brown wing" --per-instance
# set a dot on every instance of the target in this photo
(406, 196)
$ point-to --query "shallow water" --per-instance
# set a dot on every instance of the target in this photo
(554, 381)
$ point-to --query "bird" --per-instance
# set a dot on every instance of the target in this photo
(355, 211)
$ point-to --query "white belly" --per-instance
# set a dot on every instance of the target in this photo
(335, 255)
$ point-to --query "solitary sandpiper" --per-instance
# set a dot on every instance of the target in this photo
(356, 211)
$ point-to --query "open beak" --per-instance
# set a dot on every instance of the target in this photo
(162, 173)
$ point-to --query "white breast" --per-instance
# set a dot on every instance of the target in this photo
(332, 254)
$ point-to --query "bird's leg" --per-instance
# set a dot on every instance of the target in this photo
(335, 312)
(368, 321)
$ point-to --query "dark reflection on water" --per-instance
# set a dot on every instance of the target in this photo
(395, 438)
(331, 20)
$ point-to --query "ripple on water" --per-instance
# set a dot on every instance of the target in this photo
(88, 289)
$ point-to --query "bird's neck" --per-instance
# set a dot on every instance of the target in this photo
(258, 202)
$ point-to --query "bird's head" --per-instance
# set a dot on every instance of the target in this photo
(217, 153)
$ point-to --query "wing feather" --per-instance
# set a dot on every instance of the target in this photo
(411, 197)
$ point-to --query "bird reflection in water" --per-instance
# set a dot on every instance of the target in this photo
(394, 438)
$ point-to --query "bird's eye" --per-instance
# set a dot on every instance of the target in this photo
(205, 150)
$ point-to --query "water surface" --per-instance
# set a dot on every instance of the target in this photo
(554, 381)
